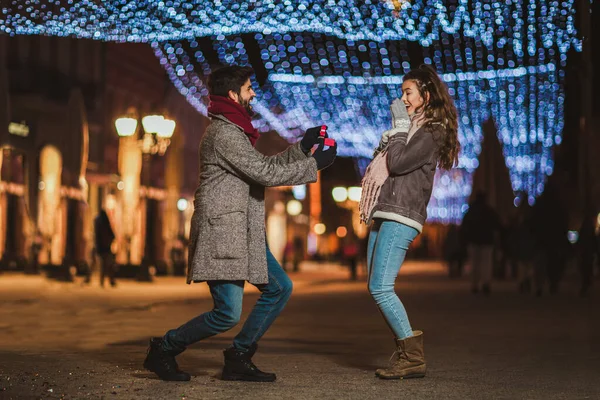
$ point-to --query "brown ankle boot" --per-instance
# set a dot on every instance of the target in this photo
(410, 359)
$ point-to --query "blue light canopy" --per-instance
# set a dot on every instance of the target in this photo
(341, 63)
(513, 22)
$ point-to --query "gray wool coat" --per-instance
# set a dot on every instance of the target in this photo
(227, 237)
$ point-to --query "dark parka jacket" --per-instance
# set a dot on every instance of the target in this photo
(407, 190)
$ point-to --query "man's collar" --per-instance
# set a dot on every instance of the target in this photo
(222, 118)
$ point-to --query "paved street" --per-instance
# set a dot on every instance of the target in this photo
(61, 340)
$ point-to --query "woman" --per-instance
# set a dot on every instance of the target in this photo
(396, 189)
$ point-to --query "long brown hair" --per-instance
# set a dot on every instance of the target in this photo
(439, 109)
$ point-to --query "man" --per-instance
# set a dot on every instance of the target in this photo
(227, 240)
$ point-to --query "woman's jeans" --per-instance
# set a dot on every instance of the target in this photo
(388, 243)
(227, 297)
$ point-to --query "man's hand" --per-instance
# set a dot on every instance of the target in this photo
(324, 158)
(311, 137)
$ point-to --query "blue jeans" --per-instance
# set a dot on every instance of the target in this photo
(388, 243)
(227, 297)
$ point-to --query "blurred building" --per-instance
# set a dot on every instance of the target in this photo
(62, 159)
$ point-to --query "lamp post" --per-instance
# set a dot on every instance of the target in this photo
(155, 139)
(349, 198)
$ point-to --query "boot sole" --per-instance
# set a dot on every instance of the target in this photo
(183, 379)
(412, 376)
(246, 378)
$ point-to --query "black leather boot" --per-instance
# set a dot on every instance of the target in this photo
(239, 366)
(163, 363)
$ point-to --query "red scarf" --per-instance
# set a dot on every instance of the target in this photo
(235, 113)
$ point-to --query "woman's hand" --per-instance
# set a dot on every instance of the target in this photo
(400, 118)
(400, 121)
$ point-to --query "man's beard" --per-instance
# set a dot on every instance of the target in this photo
(246, 104)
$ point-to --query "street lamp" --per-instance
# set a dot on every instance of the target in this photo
(354, 193)
(156, 138)
(126, 126)
(182, 204)
(320, 228)
(343, 196)
(340, 194)
(349, 198)
(158, 131)
(294, 207)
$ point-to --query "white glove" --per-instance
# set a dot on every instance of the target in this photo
(400, 118)
(385, 137)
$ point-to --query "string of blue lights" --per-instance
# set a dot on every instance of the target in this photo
(526, 104)
(341, 63)
(424, 21)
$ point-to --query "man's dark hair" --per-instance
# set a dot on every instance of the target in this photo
(233, 77)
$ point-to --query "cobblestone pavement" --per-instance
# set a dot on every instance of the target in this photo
(60, 340)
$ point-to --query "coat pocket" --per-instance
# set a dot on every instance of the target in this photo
(228, 235)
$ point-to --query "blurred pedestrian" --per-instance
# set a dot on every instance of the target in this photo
(550, 228)
(480, 225)
(454, 251)
(298, 249)
(350, 255)
(395, 191)
(586, 244)
(103, 238)
(523, 250)
(36, 247)
(288, 251)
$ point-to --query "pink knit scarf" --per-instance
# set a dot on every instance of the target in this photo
(377, 172)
